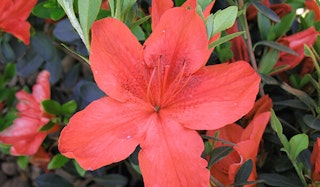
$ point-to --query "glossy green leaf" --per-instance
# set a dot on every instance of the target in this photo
(9, 71)
(23, 162)
(48, 10)
(277, 46)
(58, 161)
(69, 107)
(243, 173)
(88, 12)
(284, 25)
(264, 25)
(47, 127)
(312, 121)
(298, 143)
(218, 154)
(266, 11)
(268, 61)
(79, 169)
(52, 107)
(279, 180)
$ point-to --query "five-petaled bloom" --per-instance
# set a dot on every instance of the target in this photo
(247, 142)
(13, 16)
(159, 94)
(24, 134)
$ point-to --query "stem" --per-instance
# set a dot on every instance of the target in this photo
(248, 42)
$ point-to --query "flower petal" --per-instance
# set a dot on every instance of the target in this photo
(215, 96)
(106, 131)
(166, 160)
(179, 39)
(23, 135)
(19, 29)
(116, 59)
(41, 90)
(157, 9)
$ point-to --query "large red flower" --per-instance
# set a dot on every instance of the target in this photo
(295, 42)
(247, 141)
(158, 95)
(13, 16)
(24, 134)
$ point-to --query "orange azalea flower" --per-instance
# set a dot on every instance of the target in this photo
(159, 94)
(247, 141)
(13, 16)
(24, 135)
(313, 5)
(315, 161)
(295, 42)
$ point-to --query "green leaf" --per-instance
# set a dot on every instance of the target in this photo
(268, 61)
(67, 6)
(111, 180)
(23, 162)
(48, 10)
(225, 39)
(275, 124)
(88, 12)
(9, 71)
(52, 107)
(264, 25)
(302, 96)
(279, 180)
(277, 46)
(218, 154)
(69, 107)
(79, 169)
(243, 173)
(266, 11)
(312, 121)
(138, 32)
(58, 161)
(284, 25)
(47, 127)
(223, 19)
(297, 144)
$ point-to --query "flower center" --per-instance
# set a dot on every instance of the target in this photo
(164, 83)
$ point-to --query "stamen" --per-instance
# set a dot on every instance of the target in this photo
(150, 99)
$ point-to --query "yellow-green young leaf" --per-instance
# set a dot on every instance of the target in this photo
(224, 19)
(88, 12)
(297, 144)
(79, 169)
(23, 162)
(58, 161)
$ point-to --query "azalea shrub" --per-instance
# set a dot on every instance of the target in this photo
(132, 93)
